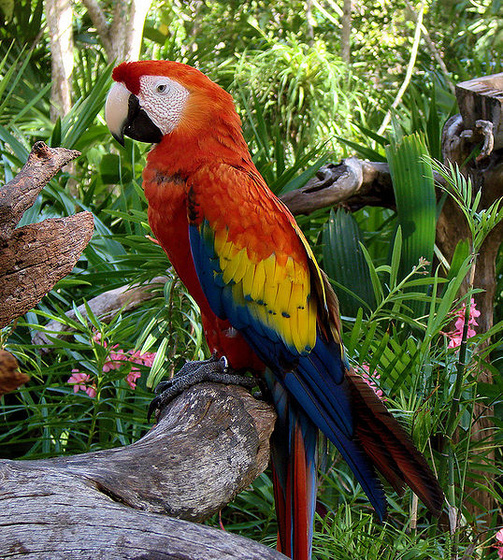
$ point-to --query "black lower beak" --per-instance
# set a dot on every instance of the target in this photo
(138, 124)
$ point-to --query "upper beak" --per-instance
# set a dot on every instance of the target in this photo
(116, 110)
(125, 116)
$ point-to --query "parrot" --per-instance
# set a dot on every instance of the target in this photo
(266, 305)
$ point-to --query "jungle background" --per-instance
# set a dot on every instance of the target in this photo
(314, 81)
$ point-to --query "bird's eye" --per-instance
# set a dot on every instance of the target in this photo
(161, 88)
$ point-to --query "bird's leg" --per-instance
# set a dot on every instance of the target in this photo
(214, 369)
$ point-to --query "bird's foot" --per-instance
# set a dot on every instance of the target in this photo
(214, 369)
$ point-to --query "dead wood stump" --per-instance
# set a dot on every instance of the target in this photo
(34, 257)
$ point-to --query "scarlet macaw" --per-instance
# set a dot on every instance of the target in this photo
(265, 304)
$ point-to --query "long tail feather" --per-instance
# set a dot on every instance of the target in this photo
(390, 447)
(294, 456)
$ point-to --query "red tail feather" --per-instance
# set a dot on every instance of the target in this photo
(390, 447)
(295, 478)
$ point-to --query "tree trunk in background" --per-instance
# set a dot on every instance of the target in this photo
(310, 21)
(479, 124)
(123, 36)
(346, 31)
(59, 21)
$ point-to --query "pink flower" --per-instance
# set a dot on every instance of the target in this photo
(117, 357)
(97, 338)
(369, 380)
(499, 545)
(82, 381)
(146, 359)
(456, 336)
(132, 376)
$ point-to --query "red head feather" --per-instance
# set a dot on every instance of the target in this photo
(191, 78)
(210, 126)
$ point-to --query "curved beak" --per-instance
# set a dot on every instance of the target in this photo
(125, 116)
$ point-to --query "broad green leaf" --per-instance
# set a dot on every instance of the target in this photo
(414, 188)
(344, 261)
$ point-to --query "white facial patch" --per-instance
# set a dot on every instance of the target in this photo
(164, 101)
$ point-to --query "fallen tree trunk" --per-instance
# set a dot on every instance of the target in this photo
(210, 443)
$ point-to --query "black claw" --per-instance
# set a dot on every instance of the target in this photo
(152, 407)
(162, 386)
(225, 364)
(214, 369)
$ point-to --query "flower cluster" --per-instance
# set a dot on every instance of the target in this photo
(115, 360)
(82, 382)
(499, 545)
(456, 335)
(118, 356)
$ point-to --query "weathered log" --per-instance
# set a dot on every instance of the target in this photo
(480, 100)
(210, 443)
(20, 194)
(353, 183)
(36, 257)
(33, 258)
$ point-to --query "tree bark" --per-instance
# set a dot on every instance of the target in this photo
(122, 36)
(34, 257)
(59, 21)
(210, 443)
(347, 10)
(352, 183)
(480, 123)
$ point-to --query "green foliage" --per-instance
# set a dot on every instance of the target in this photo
(293, 80)
(345, 263)
(349, 535)
(480, 222)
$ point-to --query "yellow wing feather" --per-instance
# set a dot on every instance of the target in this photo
(277, 296)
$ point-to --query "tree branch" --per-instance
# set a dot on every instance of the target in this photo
(211, 442)
(105, 306)
(36, 257)
(354, 183)
(99, 20)
(20, 194)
